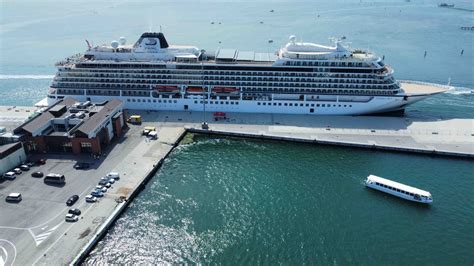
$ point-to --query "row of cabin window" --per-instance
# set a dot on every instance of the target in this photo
(255, 86)
(334, 64)
(149, 100)
(217, 102)
(212, 76)
(238, 80)
(302, 104)
(394, 189)
(131, 72)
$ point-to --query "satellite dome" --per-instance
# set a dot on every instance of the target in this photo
(114, 44)
(122, 40)
(292, 38)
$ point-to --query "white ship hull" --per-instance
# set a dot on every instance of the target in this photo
(376, 104)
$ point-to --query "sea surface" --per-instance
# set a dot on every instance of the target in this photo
(234, 201)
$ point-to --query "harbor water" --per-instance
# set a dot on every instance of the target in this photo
(235, 201)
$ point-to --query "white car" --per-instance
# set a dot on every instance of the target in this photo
(101, 188)
(9, 175)
(106, 178)
(114, 175)
(71, 218)
(17, 171)
(90, 198)
(13, 197)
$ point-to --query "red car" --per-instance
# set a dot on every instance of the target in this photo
(41, 161)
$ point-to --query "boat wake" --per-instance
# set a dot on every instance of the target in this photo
(460, 91)
(5, 77)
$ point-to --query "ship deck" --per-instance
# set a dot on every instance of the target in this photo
(422, 88)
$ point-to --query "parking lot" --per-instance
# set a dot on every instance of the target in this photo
(35, 224)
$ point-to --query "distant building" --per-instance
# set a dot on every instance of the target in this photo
(72, 126)
(11, 155)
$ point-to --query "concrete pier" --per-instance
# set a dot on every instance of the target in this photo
(452, 137)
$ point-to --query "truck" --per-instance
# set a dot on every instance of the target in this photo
(135, 119)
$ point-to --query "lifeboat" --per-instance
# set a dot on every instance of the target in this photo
(195, 90)
(166, 89)
(230, 90)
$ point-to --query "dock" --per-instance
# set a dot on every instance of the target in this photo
(44, 238)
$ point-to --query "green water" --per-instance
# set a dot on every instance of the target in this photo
(235, 201)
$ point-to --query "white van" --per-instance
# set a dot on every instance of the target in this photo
(55, 179)
(14, 197)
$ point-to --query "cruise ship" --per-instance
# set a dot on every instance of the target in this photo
(299, 78)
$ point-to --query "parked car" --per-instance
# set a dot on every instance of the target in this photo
(114, 175)
(72, 200)
(13, 197)
(9, 175)
(41, 161)
(24, 167)
(74, 211)
(103, 189)
(108, 179)
(71, 218)
(17, 171)
(30, 164)
(79, 166)
(37, 174)
(97, 193)
(90, 198)
(105, 183)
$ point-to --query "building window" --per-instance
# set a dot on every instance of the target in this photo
(258, 103)
(86, 145)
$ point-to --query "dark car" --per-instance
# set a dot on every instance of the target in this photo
(72, 200)
(30, 164)
(37, 174)
(79, 166)
(24, 167)
(41, 161)
(74, 211)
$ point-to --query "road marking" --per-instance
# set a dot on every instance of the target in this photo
(3, 256)
(59, 238)
(43, 236)
(4, 260)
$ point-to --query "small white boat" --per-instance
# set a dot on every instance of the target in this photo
(398, 189)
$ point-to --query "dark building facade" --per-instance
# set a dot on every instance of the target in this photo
(72, 126)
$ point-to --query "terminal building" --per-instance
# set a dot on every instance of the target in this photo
(11, 155)
(72, 126)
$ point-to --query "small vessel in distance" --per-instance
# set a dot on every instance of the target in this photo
(445, 5)
(398, 189)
